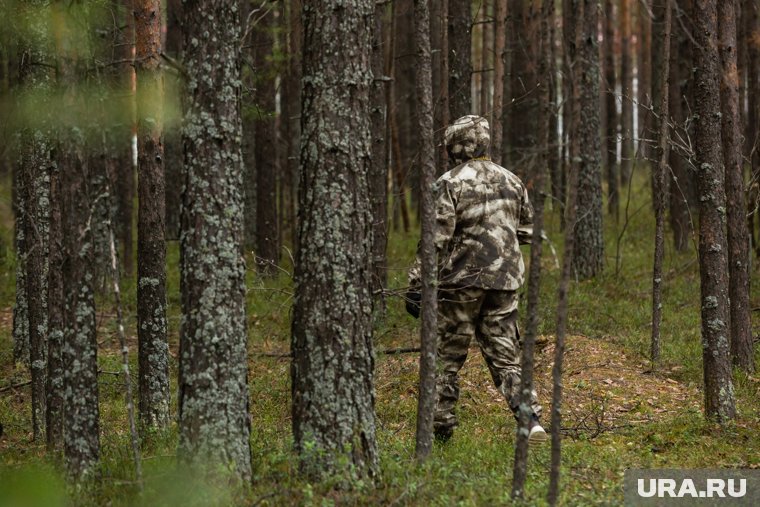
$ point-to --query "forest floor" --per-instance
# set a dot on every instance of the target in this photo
(618, 412)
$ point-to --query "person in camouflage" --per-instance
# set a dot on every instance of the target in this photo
(483, 215)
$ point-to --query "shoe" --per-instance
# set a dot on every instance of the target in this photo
(537, 434)
(443, 434)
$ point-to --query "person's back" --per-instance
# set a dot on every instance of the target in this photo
(483, 216)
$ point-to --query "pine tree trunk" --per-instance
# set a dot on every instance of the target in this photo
(574, 26)
(460, 65)
(661, 28)
(35, 163)
(20, 332)
(680, 174)
(500, 16)
(56, 317)
(713, 265)
(79, 358)
(332, 368)
(611, 125)
(742, 351)
(524, 88)
(588, 257)
(520, 469)
(172, 136)
(751, 16)
(429, 305)
(626, 83)
(265, 147)
(379, 175)
(152, 332)
(214, 422)
(125, 185)
(646, 88)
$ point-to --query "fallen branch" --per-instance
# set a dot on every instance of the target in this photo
(15, 386)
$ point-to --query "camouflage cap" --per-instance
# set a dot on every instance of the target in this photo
(467, 138)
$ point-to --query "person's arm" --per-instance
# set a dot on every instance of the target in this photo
(525, 227)
(446, 220)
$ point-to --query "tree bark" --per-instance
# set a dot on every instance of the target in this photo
(379, 174)
(460, 64)
(742, 351)
(576, 16)
(20, 332)
(662, 13)
(611, 125)
(713, 265)
(152, 332)
(214, 421)
(626, 83)
(265, 146)
(681, 175)
(588, 258)
(332, 367)
(497, 116)
(429, 305)
(79, 357)
(751, 16)
(54, 398)
(524, 78)
(172, 136)
(520, 469)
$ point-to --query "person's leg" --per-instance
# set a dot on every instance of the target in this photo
(457, 310)
(499, 341)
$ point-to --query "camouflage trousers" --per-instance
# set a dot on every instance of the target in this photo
(491, 317)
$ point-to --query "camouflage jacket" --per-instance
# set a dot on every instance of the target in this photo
(483, 215)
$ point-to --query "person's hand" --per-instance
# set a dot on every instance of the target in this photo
(413, 299)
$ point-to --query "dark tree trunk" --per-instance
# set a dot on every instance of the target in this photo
(497, 116)
(152, 332)
(626, 83)
(520, 469)
(751, 16)
(611, 124)
(172, 137)
(661, 29)
(441, 85)
(524, 88)
(713, 265)
(35, 163)
(332, 368)
(21, 352)
(646, 60)
(429, 331)
(214, 422)
(56, 316)
(576, 27)
(265, 147)
(125, 184)
(681, 174)
(79, 357)
(738, 236)
(460, 65)
(379, 176)
(588, 258)
(291, 115)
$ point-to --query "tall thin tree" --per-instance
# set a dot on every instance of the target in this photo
(152, 332)
(573, 40)
(460, 58)
(662, 15)
(627, 97)
(520, 468)
(428, 257)
(713, 264)
(588, 259)
(742, 351)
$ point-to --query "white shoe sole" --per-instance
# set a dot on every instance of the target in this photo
(537, 436)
